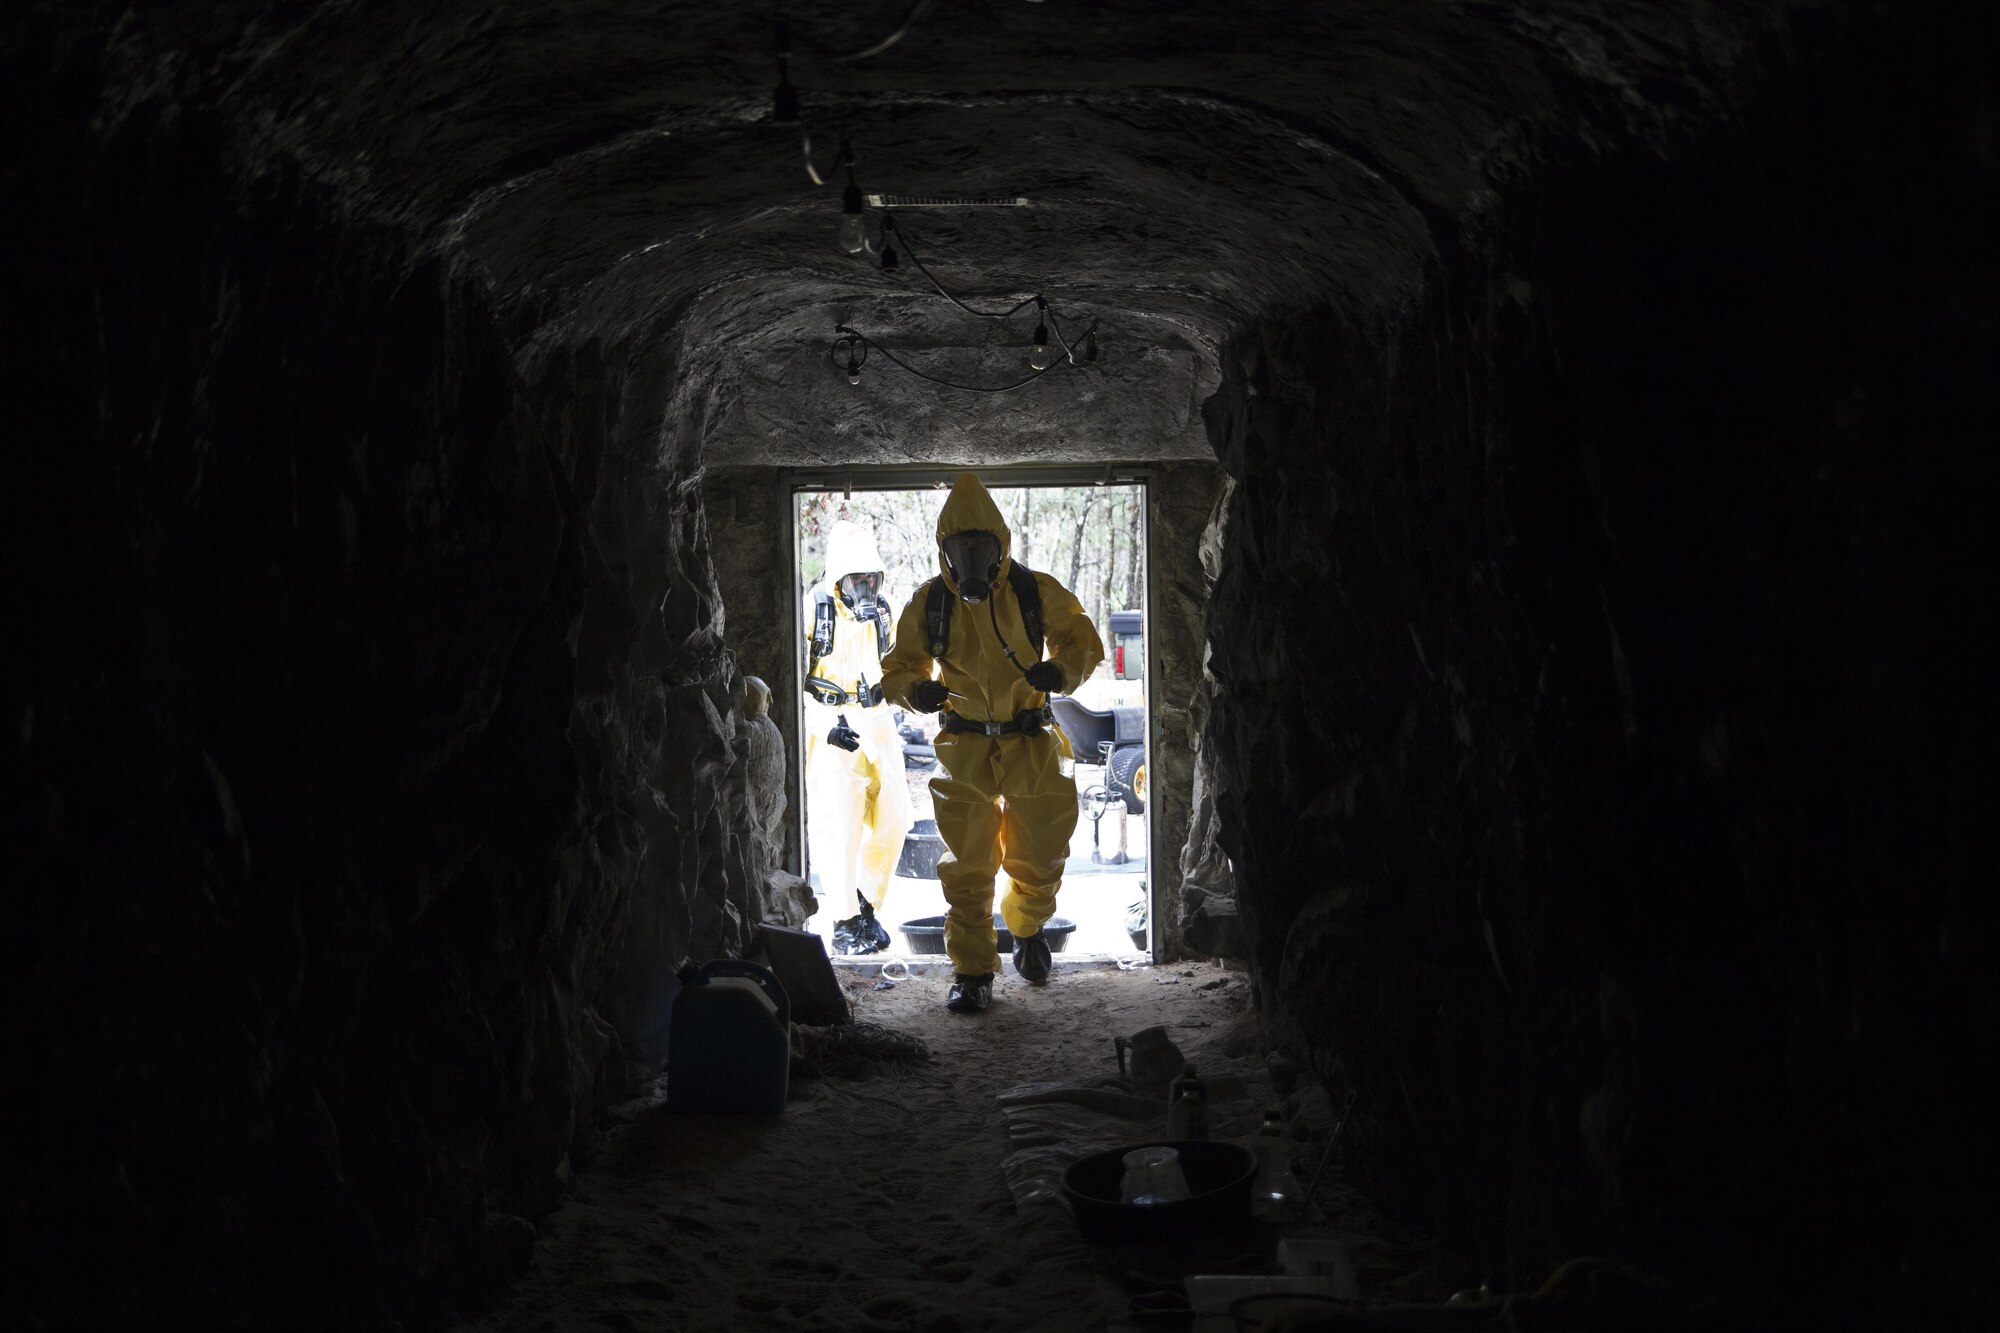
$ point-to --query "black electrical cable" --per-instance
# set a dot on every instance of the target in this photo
(916, 11)
(891, 223)
(1068, 351)
(866, 341)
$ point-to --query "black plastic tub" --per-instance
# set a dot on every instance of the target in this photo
(1218, 1176)
(921, 850)
(926, 934)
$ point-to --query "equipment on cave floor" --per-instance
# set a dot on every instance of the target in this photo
(860, 933)
(1218, 1176)
(729, 1044)
(1154, 1059)
(798, 959)
(1276, 1193)
(1152, 1176)
(853, 1048)
(1187, 1108)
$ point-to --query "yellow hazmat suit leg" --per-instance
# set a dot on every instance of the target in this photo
(1005, 805)
(857, 806)
(969, 822)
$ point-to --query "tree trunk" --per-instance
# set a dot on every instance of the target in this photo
(1134, 593)
(1076, 550)
(1113, 520)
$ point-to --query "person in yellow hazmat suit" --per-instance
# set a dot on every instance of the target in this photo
(985, 643)
(857, 797)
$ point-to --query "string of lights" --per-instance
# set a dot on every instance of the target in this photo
(854, 239)
(853, 235)
(858, 344)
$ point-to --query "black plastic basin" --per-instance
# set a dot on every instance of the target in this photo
(921, 850)
(1218, 1176)
(926, 934)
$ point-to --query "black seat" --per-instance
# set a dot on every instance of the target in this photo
(1092, 732)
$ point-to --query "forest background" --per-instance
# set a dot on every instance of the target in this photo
(1090, 538)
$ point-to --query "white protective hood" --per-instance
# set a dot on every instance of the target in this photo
(850, 549)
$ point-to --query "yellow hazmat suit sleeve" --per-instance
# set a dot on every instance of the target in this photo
(909, 659)
(1072, 642)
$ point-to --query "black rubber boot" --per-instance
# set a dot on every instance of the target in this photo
(1032, 959)
(969, 995)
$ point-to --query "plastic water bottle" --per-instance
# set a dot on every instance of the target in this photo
(1275, 1192)
(1187, 1115)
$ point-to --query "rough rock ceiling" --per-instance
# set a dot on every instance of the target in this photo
(609, 167)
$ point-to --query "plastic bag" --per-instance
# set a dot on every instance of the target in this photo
(860, 934)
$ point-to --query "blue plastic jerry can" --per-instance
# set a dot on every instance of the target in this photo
(729, 1042)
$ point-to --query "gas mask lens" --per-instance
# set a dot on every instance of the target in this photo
(860, 591)
(974, 561)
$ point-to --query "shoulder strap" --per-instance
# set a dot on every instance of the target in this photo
(1029, 594)
(937, 616)
(822, 637)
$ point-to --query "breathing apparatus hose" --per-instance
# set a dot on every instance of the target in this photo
(994, 615)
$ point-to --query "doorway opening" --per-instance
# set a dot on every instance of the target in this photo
(1088, 530)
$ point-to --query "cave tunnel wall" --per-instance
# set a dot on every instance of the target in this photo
(376, 745)
(1597, 670)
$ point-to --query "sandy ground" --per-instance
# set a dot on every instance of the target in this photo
(876, 1201)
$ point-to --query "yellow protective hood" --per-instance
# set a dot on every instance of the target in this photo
(970, 509)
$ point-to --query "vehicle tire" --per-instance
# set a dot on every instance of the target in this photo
(1127, 777)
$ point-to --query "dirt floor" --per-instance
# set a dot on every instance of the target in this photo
(878, 1200)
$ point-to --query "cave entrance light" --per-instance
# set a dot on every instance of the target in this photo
(1087, 527)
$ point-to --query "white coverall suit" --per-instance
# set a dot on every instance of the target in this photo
(857, 802)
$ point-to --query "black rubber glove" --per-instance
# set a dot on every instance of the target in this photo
(927, 696)
(1046, 677)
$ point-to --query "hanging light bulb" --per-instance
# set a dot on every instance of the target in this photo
(1038, 356)
(853, 229)
(855, 350)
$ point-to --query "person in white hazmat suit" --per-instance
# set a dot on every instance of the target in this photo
(857, 797)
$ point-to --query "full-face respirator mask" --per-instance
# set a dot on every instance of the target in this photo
(974, 561)
(859, 591)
